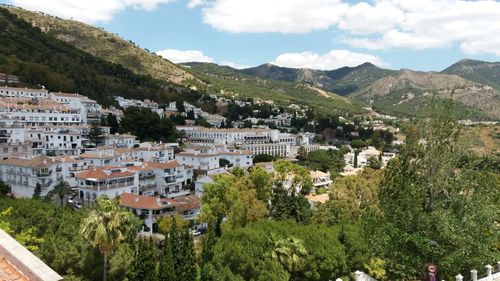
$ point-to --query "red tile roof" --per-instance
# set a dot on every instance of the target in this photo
(99, 174)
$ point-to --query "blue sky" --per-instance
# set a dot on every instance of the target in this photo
(323, 34)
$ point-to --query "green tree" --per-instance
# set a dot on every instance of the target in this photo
(166, 269)
(296, 176)
(147, 125)
(262, 182)
(208, 242)
(311, 252)
(287, 205)
(357, 144)
(37, 192)
(27, 237)
(112, 122)
(290, 252)
(188, 267)
(374, 163)
(351, 199)
(165, 223)
(224, 163)
(95, 134)
(231, 197)
(144, 265)
(263, 158)
(324, 161)
(428, 195)
(106, 226)
(61, 189)
(4, 188)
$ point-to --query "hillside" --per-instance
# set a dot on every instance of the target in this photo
(106, 46)
(407, 92)
(40, 59)
(342, 81)
(487, 73)
(230, 81)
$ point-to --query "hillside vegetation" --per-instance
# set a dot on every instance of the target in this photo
(223, 79)
(106, 46)
(40, 59)
(487, 73)
(342, 81)
(407, 92)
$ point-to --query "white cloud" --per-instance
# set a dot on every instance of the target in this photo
(364, 18)
(331, 60)
(285, 16)
(234, 64)
(195, 3)
(89, 11)
(424, 24)
(179, 56)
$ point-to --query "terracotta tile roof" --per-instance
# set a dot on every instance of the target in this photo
(101, 175)
(167, 165)
(181, 204)
(9, 272)
(37, 162)
(136, 201)
(188, 202)
(19, 264)
(97, 156)
(149, 166)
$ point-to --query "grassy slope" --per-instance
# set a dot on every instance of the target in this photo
(106, 46)
(282, 92)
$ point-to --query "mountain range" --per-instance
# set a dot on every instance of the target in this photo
(473, 85)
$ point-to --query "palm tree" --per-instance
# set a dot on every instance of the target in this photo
(290, 252)
(61, 189)
(106, 226)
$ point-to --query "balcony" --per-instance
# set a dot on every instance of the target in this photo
(44, 174)
(108, 186)
(181, 192)
(146, 176)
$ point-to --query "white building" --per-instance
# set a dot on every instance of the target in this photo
(231, 136)
(199, 160)
(39, 112)
(14, 92)
(90, 110)
(169, 179)
(120, 140)
(55, 140)
(110, 181)
(154, 208)
(23, 174)
(274, 149)
(320, 179)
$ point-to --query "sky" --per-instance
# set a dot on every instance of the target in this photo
(427, 35)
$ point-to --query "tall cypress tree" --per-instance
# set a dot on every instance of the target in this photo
(177, 248)
(144, 266)
(207, 246)
(167, 270)
(188, 266)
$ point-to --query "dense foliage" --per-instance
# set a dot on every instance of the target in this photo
(272, 250)
(40, 59)
(147, 125)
